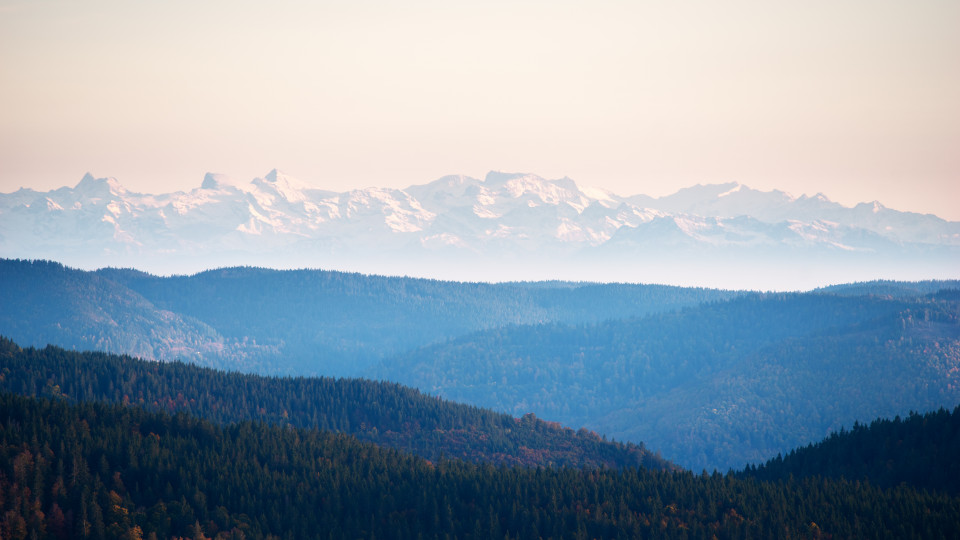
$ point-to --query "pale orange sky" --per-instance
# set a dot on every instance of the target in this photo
(856, 99)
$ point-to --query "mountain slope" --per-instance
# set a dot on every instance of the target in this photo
(715, 386)
(45, 302)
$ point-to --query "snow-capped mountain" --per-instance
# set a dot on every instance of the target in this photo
(506, 226)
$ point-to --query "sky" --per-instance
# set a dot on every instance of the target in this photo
(857, 99)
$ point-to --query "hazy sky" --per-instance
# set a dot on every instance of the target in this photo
(859, 99)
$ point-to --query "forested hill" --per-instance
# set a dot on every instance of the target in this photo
(893, 289)
(714, 386)
(384, 413)
(45, 302)
(297, 322)
(920, 450)
(104, 471)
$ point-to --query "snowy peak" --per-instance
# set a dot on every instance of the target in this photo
(697, 195)
(447, 193)
(737, 187)
(99, 187)
(872, 207)
(282, 180)
(818, 200)
(275, 176)
(534, 190)
(217, 181)
(495, 179)
(517, 184)
(730, 199)
(210, 181)
(454, 183)
(284, 186)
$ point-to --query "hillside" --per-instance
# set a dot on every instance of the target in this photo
(383, 413)
(715, 386)
(104, 471)
(45, 302)
(919, 450)
(296, 322)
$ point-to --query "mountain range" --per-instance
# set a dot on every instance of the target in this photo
(504, 227)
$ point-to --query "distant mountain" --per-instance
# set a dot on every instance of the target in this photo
(301, 322)
(920, 450)
(717, 385)
(504, 227)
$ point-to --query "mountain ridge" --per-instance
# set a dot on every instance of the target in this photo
(289, 321)
(383, 413)
(919, 450)
(463, 228)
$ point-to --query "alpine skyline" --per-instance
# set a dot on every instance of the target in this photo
(855, 100)
(504, 227)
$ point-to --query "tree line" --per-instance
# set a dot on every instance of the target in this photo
(98, 470)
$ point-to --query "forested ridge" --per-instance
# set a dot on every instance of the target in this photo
(891, 288)
(713, 386)
(291, 322)
(919, 450)
(384, 413)
(97, 470)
